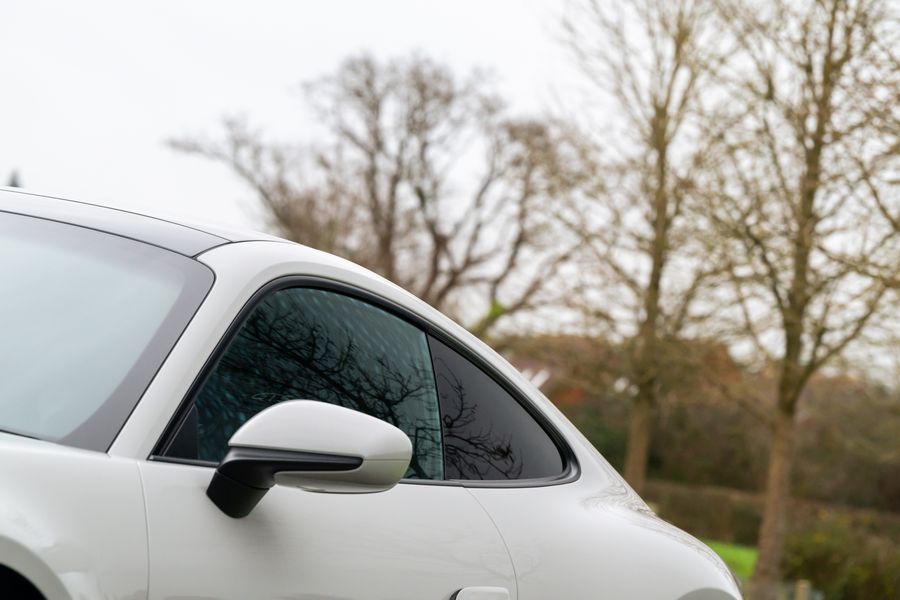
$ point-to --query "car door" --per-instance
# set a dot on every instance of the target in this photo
(424, 538)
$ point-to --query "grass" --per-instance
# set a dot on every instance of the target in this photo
(740, 559)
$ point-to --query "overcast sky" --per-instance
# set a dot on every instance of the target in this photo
(92, 89)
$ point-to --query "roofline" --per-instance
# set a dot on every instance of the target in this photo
(186, 238)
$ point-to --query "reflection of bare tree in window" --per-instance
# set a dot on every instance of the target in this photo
(286, 351)
(472, 448)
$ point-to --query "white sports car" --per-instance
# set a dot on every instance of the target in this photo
(192, 413)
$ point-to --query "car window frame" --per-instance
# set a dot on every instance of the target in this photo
(570, 471)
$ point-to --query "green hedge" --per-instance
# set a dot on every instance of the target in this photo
(844, 561)
(847, 554)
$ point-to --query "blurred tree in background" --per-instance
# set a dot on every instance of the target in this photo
(798, 199)
(645, 271)
(423, 178)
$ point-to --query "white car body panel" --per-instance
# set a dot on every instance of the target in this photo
(74, 521)
(410, 543)
(83, 524)
(571, 541)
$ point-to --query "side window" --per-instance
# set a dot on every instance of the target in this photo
(302, 343)
(488, 435)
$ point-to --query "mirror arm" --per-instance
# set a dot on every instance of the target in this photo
(246, 474)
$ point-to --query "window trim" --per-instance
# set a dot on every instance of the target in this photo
(571, 470)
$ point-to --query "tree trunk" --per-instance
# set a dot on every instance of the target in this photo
(767, 575)
(646, 366)
(639, 430)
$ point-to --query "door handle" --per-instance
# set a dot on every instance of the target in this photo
(481, 593)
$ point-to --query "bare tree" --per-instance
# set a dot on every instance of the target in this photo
(805, 192)
(652, 60)
(423, 178)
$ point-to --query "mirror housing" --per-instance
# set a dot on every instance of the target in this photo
(315, 446)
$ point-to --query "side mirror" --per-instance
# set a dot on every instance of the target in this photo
(312, 445)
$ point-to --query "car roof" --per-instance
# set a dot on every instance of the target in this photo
(177, 235)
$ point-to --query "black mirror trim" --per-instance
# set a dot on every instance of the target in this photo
(246, 474)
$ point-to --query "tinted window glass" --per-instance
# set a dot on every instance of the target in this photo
(302, 343)
(488, 435)
(86, 320)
